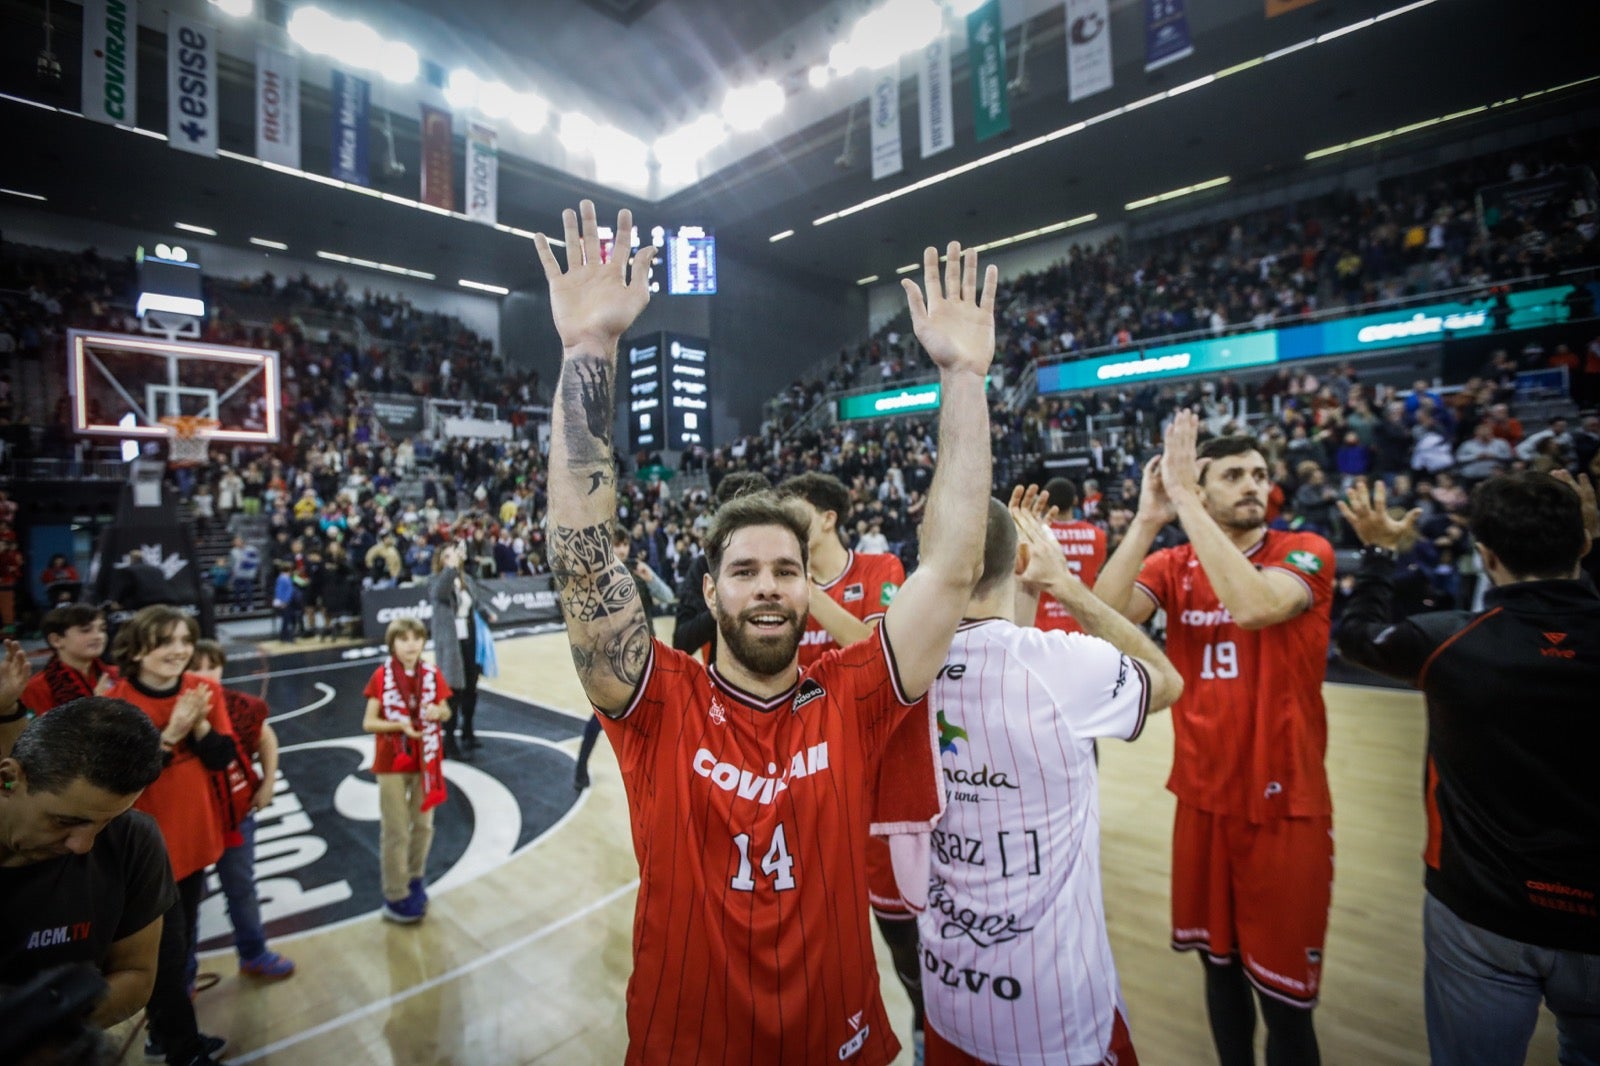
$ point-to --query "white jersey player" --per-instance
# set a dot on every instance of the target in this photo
(1017, 967)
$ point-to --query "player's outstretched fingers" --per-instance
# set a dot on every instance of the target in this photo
(952, 271)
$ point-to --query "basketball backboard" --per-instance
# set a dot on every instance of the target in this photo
(123, 386)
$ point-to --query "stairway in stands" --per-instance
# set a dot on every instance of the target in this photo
(216, 541)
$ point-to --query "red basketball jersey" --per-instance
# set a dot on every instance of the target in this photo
(1251, 730)
(750, 820)
(1084, 545)
(864, 588)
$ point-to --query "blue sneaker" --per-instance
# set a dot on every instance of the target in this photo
(405, 911)
(418, 893)
(268, 964)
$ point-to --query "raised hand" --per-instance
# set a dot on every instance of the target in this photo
(1368, 515)
(14, 671)
(955, 323)
(1035, 501)
(594, 302)
(1046, 564)
(1586, 496)
(1180, 470)
(1155, 505)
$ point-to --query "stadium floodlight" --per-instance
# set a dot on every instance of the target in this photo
(314, 29)
(962, 8)
(398, 63)
(578, 132)
(239, 9)
(747, 107)
(355, 43)
(619, 156)
(495, 99)
(819, 76)
(893, 30)
(461, 92)
(529, 112)
(680, 151)
(842, 59)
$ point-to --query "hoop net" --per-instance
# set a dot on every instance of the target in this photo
(187, 443)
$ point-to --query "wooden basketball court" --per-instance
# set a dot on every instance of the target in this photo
(528, 962)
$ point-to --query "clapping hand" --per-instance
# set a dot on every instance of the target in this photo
(593, 301)
(954, 322)
(1180, 469)
(1368, 515)
(1586, 496)
(14, 671)
(1031, 513)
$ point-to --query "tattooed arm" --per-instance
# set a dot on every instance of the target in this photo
(593, 304)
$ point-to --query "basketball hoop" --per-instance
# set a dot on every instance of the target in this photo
(187, 443)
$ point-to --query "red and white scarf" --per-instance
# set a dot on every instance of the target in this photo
(404, 698)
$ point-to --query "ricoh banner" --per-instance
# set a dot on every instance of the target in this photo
(111, 61)
(514, 601)
(483, 173)
(191, 86)
(277, 107)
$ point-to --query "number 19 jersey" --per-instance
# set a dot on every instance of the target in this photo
(750, 821)
(1250, 729)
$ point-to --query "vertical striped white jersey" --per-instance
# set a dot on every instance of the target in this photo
(1016, 964)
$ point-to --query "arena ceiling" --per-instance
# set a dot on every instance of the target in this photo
(1253, 126)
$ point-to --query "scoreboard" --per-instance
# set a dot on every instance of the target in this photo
(691, 262)
(668, 379)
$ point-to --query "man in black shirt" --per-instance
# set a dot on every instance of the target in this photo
(84, 878)
(1512, 912)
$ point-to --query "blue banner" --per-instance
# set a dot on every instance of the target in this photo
(350, 124)
(1166, 33)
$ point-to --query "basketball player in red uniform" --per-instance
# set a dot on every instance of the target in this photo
(1247, 627)
(749, 781)
(856, 589)
(1084, 545)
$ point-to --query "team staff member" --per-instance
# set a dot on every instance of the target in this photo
(84, 877)
(855, 590)
(749, 783)
(1025, 706)
(1083, 544)
(1512, 913)
(1247, 625)
(188, 800)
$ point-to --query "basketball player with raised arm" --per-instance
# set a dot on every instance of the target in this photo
(1017, 966)
(851, 591)
(1247, 625)
(749, 782)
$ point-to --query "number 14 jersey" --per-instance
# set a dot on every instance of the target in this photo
(750, 821)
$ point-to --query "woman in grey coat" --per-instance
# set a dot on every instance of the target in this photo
(455, 595)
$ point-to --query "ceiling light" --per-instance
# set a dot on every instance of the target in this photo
(204, 230)
(842, 58)
(461, 92)
(398, 63)
(962, 8)
(897, 28)
(747, 107)
(239, 9)
(262, 242)
(529, 112)
(818, 76)
(24, 195)
(313, 29)
(868, 280)
(776, 237)
(908, 268)
(1161, 198)
(481, 286)
(577, 132)
(619, 156)
(495, 99)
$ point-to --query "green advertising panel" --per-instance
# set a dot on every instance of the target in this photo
(891, 403)
(1166, 361)
(986, 54)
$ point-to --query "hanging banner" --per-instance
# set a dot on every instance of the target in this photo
(1088, 48)
(277, 107)
(1166, 33)
(438, 159)
(350, 128)
(111, 60)
(986, 53)
(191, 86)
(1278, 7)
(483, 173)
(933, 99)
(885, 106)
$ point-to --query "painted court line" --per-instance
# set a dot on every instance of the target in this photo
(387, 1002)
